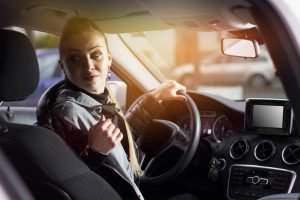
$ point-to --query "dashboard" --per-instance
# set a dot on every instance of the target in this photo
(216, 125)
(220, 118)
(248, 163)
(256, 150)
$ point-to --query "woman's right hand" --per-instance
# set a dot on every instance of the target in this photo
(104, 136)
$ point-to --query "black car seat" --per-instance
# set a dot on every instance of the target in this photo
(47, 165)
(12, 186)
(44, 107)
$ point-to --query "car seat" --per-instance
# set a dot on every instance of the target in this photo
(47, 165)
(43, 111)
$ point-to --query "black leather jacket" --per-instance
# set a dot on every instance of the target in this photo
(73, 112)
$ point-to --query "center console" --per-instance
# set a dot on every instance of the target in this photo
(247, 182)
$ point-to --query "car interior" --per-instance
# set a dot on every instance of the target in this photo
(32, 148)
(209, 146)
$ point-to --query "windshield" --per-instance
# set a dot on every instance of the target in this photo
(293, 6)
(195, 60)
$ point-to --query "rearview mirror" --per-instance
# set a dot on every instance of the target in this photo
(240, 47)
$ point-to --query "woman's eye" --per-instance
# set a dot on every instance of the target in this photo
(97, 55)
(74, 58)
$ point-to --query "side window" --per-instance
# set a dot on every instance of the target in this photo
(48, 63)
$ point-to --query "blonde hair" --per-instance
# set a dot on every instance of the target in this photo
(133, 160)
(78, 25)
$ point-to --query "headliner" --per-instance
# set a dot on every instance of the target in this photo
(128, 15)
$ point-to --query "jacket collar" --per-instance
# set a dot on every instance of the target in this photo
(78, 95)
(72, 93)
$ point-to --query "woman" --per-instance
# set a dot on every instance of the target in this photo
(86, 115)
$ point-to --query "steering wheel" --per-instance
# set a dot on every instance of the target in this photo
(187, 143)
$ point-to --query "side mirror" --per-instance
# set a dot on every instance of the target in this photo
(240, 47)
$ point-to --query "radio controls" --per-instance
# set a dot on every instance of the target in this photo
(252, 181)
(257, 180)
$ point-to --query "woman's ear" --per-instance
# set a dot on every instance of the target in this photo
(61, 65)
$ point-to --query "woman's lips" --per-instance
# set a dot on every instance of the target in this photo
(90, 77)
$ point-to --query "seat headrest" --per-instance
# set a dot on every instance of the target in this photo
(19, 71)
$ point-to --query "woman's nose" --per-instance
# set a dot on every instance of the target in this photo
(89, 64)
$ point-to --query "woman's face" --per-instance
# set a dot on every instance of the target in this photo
(85, 60)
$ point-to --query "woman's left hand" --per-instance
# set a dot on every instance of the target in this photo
(168, 91)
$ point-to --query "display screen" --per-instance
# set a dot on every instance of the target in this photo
(267, 116)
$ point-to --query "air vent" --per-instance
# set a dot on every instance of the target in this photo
(291, 154)
(264, 150)
(239, 149)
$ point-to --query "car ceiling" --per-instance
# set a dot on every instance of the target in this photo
(127, 15)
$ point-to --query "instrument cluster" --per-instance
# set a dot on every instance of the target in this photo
(217, 125)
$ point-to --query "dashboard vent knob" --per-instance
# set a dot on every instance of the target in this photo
(239, 149)
(264, 150)
(291, 154)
